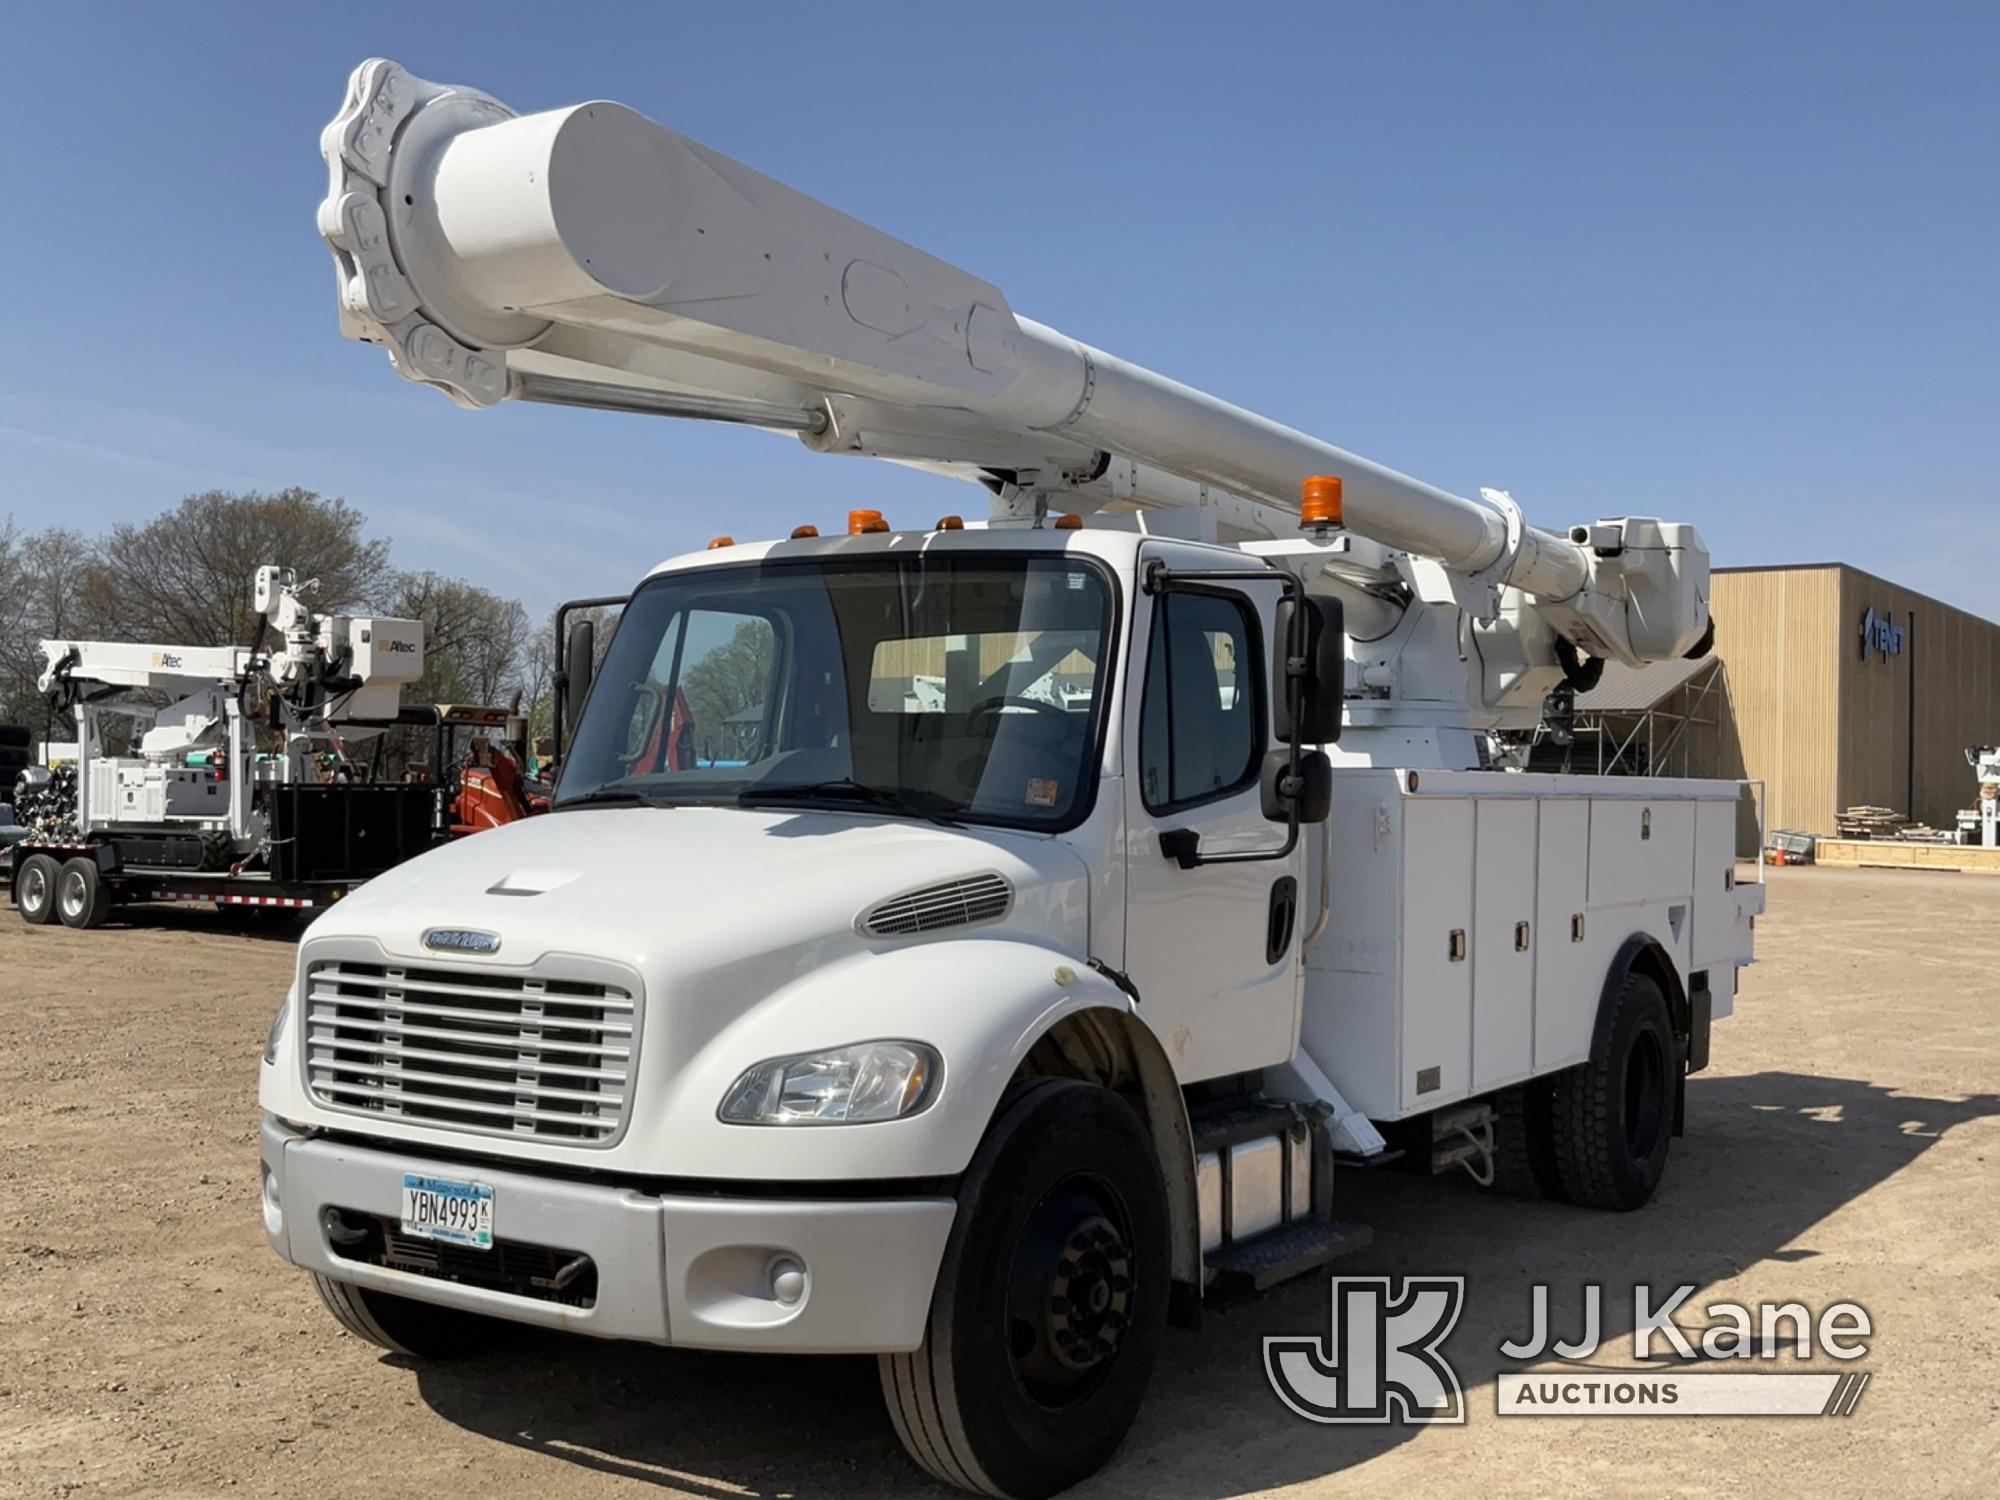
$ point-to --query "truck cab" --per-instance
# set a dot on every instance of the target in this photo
(851, 1024)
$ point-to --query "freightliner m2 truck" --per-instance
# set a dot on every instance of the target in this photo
(1048, 908)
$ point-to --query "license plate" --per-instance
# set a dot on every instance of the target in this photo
(439, 1208)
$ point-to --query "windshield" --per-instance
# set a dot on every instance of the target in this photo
(967, 687)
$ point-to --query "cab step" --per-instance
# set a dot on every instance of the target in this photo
(1246, 1267)
(1240, 1123)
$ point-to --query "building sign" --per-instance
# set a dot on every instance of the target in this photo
(1880, 634)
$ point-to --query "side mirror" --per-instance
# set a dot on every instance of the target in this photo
(1312, 792)
(1324, 669)
(579, 665)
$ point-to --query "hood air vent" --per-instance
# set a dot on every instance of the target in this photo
(932, 908)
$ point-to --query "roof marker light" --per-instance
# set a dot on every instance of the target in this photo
(1069, 523)
(800, 533)
(721, 541)
(950, 523)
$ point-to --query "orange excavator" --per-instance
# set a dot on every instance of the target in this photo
(491, 787)
(485, 785)
(492, 790)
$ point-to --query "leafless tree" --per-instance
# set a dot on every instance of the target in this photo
(185, 576)
(41, 587)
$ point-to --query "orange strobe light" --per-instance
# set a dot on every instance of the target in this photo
(861, 522)
(721, 541)
(1069, 523)
(1319, 501)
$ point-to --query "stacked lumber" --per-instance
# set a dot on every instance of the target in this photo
(1869, 822)
(1923, 833)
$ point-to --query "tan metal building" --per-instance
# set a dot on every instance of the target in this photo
(1840, 688)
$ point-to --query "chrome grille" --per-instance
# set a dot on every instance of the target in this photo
(497, 1054)
(954, 903)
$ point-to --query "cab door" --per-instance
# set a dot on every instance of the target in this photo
(1211, 949)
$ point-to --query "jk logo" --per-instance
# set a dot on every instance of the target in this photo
(1379, 1362)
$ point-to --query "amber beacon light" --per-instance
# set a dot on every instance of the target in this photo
(861, 522)
(1319, 500)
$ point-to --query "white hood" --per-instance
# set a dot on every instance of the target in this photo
(680, 892)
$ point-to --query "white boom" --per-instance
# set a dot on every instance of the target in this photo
(588, 256)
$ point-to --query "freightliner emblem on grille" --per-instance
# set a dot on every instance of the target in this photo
(461, 940)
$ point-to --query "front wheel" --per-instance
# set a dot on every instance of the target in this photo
(402, 1325)
(1050, 1301)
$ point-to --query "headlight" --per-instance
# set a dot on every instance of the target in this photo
(277, 1032)
(840, 1086)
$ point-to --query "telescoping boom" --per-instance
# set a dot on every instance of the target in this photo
(589, 256)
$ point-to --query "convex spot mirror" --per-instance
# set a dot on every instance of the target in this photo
(1313, 791)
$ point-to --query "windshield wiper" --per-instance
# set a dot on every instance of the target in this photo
(607, 796)
(847, 789)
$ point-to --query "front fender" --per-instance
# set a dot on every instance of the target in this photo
(981, 1002)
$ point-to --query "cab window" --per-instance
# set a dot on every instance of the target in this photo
(1201, 720)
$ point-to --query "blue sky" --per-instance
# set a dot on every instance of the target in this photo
(1731, 264)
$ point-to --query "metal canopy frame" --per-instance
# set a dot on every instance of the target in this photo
(1617, 737)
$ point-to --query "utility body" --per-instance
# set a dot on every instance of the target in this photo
(1043, 911)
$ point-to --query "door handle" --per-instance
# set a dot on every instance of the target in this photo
(1284, 917)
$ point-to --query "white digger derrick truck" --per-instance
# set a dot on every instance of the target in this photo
(195, 812)
(1077, 889)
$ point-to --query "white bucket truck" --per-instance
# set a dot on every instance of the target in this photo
(978, 944)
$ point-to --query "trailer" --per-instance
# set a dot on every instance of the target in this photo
(1091, 883)
(82, 884)
(196, 811)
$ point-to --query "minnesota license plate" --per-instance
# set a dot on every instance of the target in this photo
(439, 1208)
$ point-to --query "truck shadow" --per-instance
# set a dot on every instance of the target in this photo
(1768, 1156)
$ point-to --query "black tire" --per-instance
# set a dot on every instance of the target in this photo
(82, 897)
(15, 736)
(35, 884)
(1050, 1302)
(402, 1325)
(1614, 1115)
(1524, 1145)
(217, 849)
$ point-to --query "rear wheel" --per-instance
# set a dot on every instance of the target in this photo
(1050, 1301)
(1524, 1147)
(403, 1325)
(1614, 1115)
(35, 889)
(82, 897)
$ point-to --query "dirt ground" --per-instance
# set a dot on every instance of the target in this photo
(1844, 1146)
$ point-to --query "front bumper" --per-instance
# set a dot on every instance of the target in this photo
(683, 1270)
